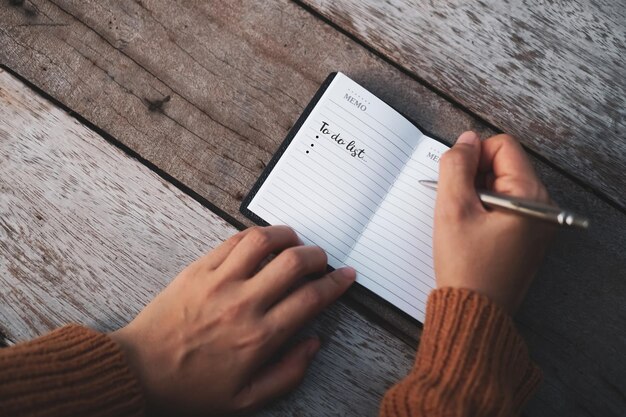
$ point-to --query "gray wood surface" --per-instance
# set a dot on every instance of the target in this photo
(237, 76)
(552, 73)
(204, 90)
(89, 235)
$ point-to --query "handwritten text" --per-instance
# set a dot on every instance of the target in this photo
(350, 146)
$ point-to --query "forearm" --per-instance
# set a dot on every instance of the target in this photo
(471, 362)
(71, 371)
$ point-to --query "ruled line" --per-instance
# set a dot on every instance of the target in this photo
(359, 266)
(322, 198)
(331, 118)
(370, 212)
(384, 266)
(355, 247)
(338, 180)
(370, 217)
(406, 166)
(363, 226)
(343, 171)
(298, 226)
(371, 117)
(352, 248)
(427, 213)
(321, 227)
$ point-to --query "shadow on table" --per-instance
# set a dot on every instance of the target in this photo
(574, 318)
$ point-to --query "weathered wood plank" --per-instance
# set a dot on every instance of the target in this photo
(552, 73)
(89, 235)
(106, 73)
(206, 91)
(573, 318)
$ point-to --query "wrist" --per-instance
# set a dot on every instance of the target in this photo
(467, 330)
(493, 296)
(127, 346)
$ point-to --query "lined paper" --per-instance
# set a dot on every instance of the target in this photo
(394, 253)
(348, 182)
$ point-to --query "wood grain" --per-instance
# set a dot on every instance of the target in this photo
(204, 90)
(223, 68)
(89, 235)
(551, 73)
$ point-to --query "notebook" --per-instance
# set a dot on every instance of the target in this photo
(346, 179)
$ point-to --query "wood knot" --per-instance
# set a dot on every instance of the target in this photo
(157, 105)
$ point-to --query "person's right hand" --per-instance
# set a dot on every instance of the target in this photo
(492, 252)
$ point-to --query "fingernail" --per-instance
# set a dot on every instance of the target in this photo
(347, 273)
(313, 348)
(469, 137)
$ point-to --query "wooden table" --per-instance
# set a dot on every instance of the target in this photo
(130, 132)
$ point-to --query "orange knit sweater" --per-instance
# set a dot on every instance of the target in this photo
(470, 362)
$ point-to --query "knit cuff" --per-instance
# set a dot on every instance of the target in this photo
(70, 371)
(477, 341)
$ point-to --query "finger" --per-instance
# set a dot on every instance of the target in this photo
(457, 173)
(244, 258)
(513, 172)
(273, 281)
(279, 378)
(215, 258)
(306, 302)
(504, 155)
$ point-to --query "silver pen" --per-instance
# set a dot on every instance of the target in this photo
(525, 207)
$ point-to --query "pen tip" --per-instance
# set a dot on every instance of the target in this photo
(429, 184)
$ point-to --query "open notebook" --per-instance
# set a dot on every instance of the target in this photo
(346, 179)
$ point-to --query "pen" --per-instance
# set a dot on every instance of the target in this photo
(525, 207)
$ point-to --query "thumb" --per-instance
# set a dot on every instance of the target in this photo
(457, 173)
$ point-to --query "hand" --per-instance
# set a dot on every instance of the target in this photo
(203, 345)
(493, 252)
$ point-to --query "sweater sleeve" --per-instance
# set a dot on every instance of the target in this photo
(73, 371)
(471, 362)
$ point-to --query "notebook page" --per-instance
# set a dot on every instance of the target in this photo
(394, 253)
(337, 169)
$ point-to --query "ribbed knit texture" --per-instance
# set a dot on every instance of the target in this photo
(471, 362)
(72, 371)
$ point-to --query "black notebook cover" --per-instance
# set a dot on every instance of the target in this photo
(369, 295)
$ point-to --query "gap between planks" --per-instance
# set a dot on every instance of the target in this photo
(90, 235)
(330, 18)
(550, 74)
(268, 48)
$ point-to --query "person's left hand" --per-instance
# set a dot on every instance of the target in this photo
(203, 345)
